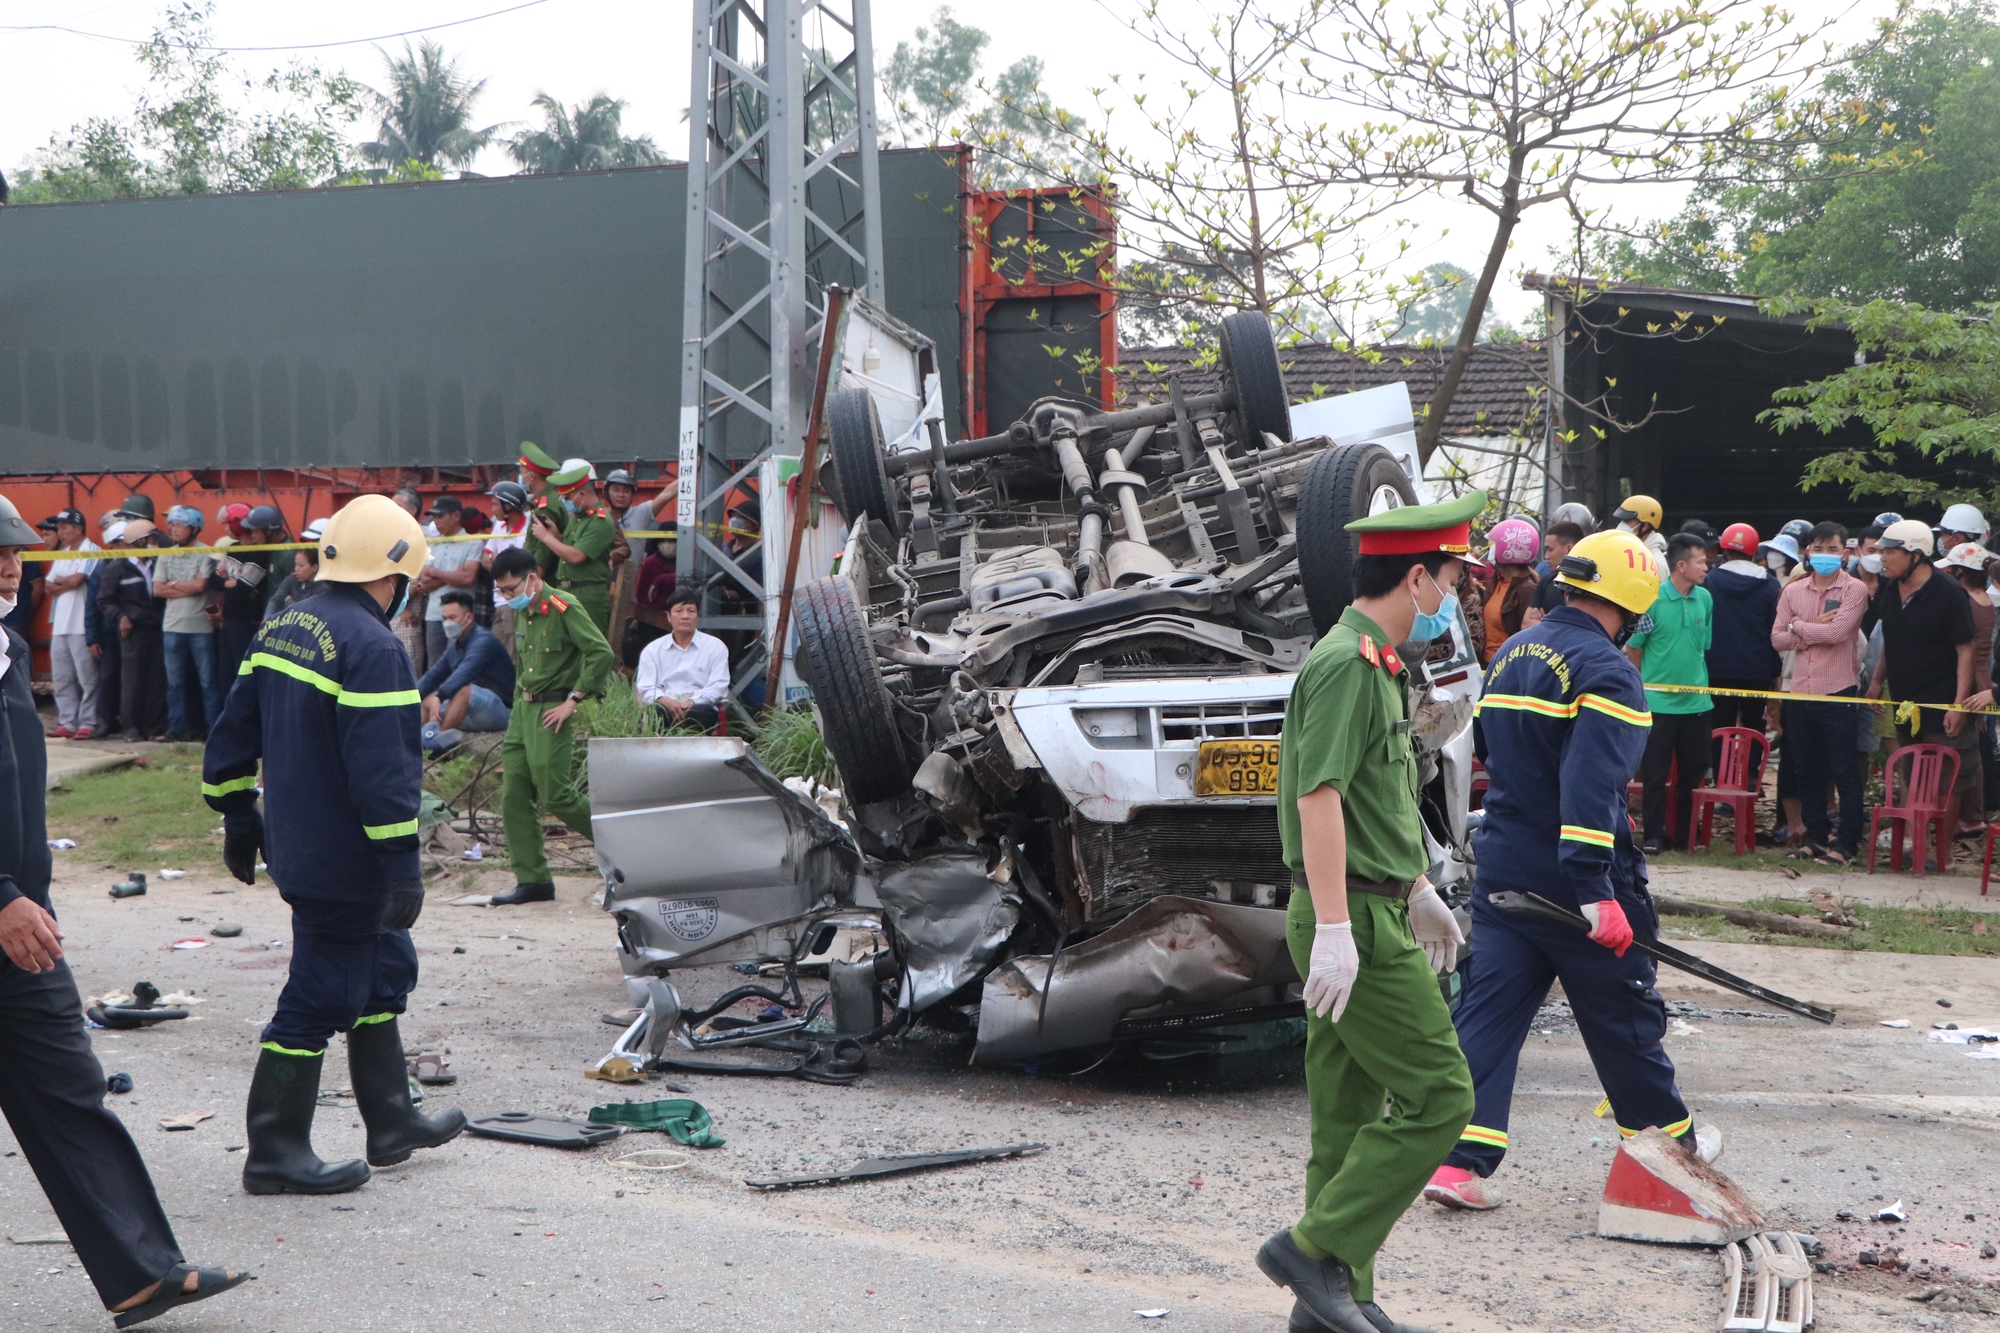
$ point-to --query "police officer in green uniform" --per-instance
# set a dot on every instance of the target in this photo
(1366, 929)
(564, 660)
(544, 504)
(580, 552)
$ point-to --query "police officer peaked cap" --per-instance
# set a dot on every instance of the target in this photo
(14, 530)
(571, 477)
(370, 537)
(536, 459)
(1420, 529)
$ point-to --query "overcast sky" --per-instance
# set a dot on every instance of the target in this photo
(574, 48)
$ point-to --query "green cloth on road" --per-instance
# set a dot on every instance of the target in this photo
(1675, 650)
(1342, 731)
(1395, 1041)
(688, 1122)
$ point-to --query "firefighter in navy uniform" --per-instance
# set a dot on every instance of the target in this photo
(326, 700)
(1561, 727)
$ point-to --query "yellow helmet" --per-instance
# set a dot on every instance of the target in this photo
(1615, 566)
(1642, 508)
(370, 537)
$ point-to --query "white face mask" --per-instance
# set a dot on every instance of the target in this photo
(1776, 561)
(1872, 562)
(7, 605)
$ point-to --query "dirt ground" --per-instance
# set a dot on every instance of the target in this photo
(1157, 1185)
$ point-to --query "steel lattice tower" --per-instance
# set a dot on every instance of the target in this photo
(784, 199)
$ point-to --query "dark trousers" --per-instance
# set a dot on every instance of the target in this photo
(1621, 1017)
(1732, 712)
(110, 687)
(1819, 742)
(1679, 737)
(142, 702)
(702, 718)
(52, 1091)
(232, 641)
(346, 965)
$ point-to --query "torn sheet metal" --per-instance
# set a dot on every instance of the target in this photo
(896, 1166)
(1172, 952)
(708, 857)
(953, 920)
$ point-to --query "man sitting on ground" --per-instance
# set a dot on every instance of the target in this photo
(469, 687)
(685, 674)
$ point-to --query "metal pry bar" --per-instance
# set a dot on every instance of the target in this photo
(1533, 904)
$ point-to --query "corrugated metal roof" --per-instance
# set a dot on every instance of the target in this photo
(1498, 394)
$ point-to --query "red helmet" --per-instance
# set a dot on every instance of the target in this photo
(233, 515)
(1740, 538)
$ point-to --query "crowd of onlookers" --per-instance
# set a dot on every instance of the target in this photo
(1844, 625)
(143, 644)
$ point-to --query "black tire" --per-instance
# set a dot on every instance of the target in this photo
(1339, 487)
(1250, 367)
(855, 712)
(854, 432)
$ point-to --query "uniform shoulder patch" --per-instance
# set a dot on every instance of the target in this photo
(1390, 662)
(1369, 652)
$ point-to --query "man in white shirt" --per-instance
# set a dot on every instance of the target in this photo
(70, 662)
(685, 674)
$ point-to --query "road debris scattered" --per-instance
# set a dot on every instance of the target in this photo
(1895, 1022)
(185, 1120)
(687, 1122)
(895, 1166)
(1893, 1213)
(1657, 1192)
(553, 1131)
(225, 930)
(133, 886)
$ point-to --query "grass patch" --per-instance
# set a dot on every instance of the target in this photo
(1944, 931)
(139, 818)
(790, 745)
(1722, 856)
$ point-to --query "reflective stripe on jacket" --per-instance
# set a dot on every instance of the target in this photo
(326, 698)
(1561, 727)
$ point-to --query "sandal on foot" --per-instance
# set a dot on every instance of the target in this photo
(1806, 853)
(1833, 856)
(172, 1294)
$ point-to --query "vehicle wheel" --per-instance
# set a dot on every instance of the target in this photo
(1346, 482)
(1250, 367)
(854, 429)
(854, 708)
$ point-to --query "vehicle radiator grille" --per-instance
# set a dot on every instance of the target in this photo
(1218, 852)
(1214, 722)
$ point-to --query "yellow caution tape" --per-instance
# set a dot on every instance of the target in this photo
(1906, 709)
(150, 552)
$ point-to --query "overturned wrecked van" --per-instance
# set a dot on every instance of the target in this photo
(1051, 667)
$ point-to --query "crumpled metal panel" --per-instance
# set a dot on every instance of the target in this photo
(1174, 951)
(952, 918)
(708, 856)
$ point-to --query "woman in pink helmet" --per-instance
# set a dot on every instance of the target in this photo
(1515, 546)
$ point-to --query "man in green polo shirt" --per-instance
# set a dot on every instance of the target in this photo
(1366, 929)
(1675, 652)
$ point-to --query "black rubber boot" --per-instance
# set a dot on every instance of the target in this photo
(1321, 1285)
(526, 893)
(279, 1158)
(382, 1092)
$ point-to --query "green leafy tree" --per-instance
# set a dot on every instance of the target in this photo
(1516, 105)
(1438, 314)
(584, 138)
(1927, 101)
(1928, 388)
(199, 127)
(426, 114)
(934, 91)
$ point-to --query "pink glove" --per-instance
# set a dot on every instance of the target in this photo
(1608, 925)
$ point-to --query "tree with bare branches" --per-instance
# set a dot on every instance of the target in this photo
(1523, 104)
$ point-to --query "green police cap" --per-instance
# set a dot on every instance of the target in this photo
(536, 459)
(1416, 529)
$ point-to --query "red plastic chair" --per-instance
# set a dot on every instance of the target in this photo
(1635, 797)
(1738, 780)
(1927, 773)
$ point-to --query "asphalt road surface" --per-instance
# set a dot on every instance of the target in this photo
(1158, 1183)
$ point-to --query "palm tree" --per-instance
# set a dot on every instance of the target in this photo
(585, 138)
(427, 111)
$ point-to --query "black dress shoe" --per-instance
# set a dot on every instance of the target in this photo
(1302, 1320)
(526, 893)
(1321, 1285)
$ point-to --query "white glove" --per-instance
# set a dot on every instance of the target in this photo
(1436, 930)
(1335, 964)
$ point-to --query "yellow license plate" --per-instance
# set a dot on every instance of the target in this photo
(1236, 768)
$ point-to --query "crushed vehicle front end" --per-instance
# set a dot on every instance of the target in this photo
(1052, 669)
